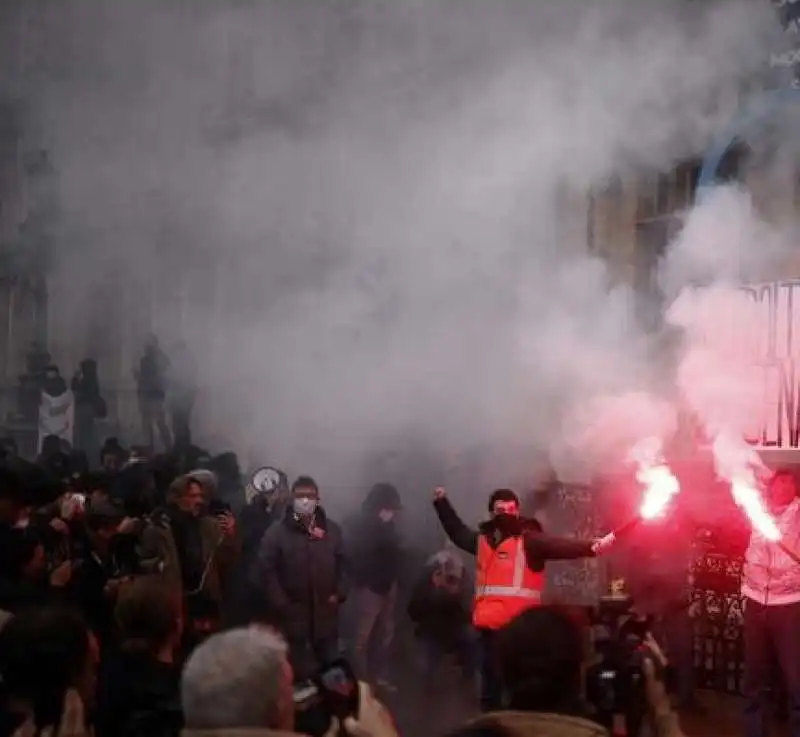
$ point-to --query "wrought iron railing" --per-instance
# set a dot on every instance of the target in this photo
(718, 609)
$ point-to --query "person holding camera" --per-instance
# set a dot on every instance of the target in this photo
(511, 552)
(242, 680)
(541, 657)
(104, 563)
(192, 550)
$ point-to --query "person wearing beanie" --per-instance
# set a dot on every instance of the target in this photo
(511, 552)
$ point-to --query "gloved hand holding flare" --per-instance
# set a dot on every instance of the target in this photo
(660, 486)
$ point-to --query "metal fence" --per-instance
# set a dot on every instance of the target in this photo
(718, 609)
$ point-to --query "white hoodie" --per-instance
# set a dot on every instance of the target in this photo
(770, 576)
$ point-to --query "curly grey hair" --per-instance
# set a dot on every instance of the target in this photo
(234, 680)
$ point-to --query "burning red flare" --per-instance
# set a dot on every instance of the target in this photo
(747, 496)
(660, 485)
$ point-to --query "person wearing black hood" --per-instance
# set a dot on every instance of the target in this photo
(376, 553)
(301, 570)
(511, 552)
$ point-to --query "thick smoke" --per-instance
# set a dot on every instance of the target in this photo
(723, 370)
(369, 219)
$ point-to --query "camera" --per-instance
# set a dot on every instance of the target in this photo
(72, 505)
(332, 693)
(615, 683)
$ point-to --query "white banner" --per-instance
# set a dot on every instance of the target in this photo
(771, 343)
(56, 416)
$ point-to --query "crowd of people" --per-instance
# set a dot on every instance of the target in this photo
(141, 597)
(163, 592)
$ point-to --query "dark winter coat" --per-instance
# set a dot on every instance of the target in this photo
(302, 574)
(254, 520)
(539, 547)
(375, 553)
(138, 697)
(247, 600)
(440, 613)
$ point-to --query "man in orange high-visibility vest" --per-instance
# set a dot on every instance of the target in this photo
(510, 552)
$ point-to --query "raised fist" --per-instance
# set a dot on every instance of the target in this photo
(439, 493)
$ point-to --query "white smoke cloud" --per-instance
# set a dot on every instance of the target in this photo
(355, 211)
(724, 245)
(724, 241)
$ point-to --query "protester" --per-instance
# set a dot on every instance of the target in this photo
(266, 505)
(89, 405)
(182, 380)
(239, 679)
(151, 392)
(771, 587)
(112, 455)
(25, 580)
(139, 693)
(104, 565)
(511, 552)
(242, 680)
(541, 654)
(301, 569)
(192, 551)
(45, 653)
(376, 552)
(441, 608)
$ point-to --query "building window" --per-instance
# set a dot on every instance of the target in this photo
(653, 195)
(652, 238)
(687, 175)
(734, 163)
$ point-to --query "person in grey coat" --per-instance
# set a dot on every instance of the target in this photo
(301, 570)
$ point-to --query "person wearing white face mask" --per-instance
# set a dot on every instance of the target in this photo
(301, 570)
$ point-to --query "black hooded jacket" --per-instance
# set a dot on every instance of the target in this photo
(539, 547)
(138, 696)
(374, 546)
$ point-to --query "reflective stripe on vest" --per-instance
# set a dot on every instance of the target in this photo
(508, 591)
(516, 589)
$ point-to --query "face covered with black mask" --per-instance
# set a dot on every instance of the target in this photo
(505, 515)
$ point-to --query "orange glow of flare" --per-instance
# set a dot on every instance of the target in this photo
(749, 499)
(660, 485)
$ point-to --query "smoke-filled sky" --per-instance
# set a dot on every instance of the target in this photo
(368, 218)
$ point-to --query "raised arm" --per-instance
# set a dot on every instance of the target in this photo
(462, 536)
